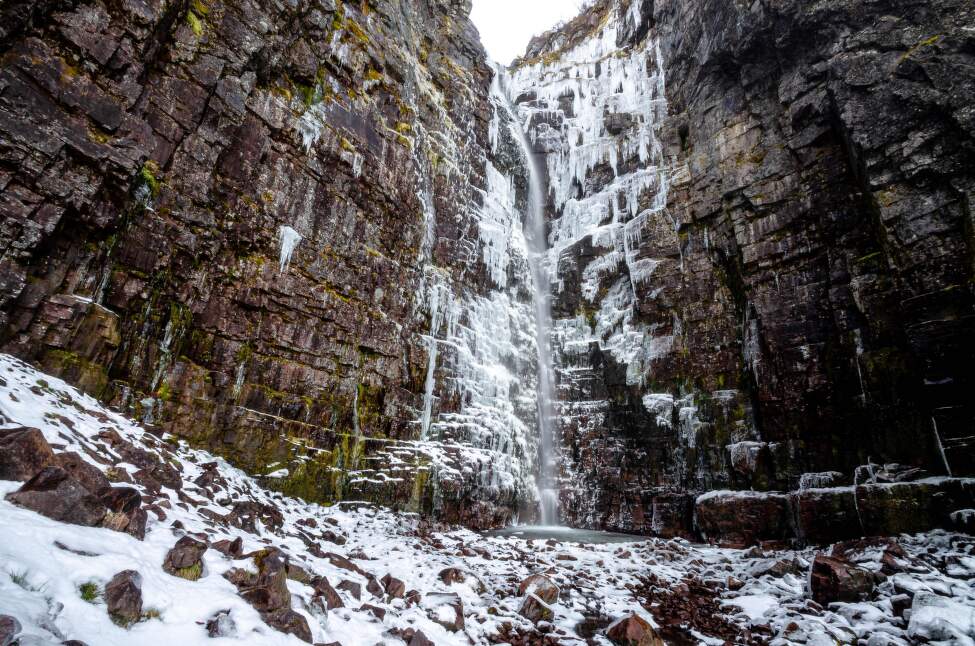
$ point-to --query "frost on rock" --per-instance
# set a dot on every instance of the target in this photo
(288, 240)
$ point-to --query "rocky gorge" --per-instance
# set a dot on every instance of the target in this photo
(692, 270)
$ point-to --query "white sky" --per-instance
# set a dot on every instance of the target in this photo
(506, 26)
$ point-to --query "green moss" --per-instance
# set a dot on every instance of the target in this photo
(89, 591)
(195, 23)
(373, 75)
(346, 145)
(164, 393)
(148, 176)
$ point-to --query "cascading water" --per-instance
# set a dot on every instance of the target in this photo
(548, 487)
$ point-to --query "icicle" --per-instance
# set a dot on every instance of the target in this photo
(288, 238)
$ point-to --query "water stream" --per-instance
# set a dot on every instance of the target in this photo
(535, 234)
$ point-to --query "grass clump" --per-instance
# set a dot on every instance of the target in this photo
(89, 591)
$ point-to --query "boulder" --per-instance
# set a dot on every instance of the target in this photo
(452, 575)
(268, 589)
(325, 595)
(446, 609)
(739, 519)
(55, 494)
(185, 560)
(123, 596)
(833, 579)
(535, 610)
(378, 613)
(395, 589)
(289, 622)
(541, 586)
(231, 548)
(221, 624)
(353, 588)
(419, 639)
(9, 629)
(633, 631)
(23, 452)
(90, 476)
(125, 512)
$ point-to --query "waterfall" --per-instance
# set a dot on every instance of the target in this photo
(547, 482)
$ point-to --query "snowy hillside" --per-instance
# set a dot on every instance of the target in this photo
(444, 586)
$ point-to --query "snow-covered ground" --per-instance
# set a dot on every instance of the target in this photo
(43, 564)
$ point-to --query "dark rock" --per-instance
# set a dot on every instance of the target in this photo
(221, 624)
(374, 587)
(832, 580)
(541, 586)
(90, 476)
(53, 493)
(185, 559)
(123, 596)
(395, 589)
(436, 603)
(289, 622)
(23, 452)
(633, 631)
(352, 588)
(741, 519)
(341, 562)
(125, 513)
(232, 548)
(326, 594)
(9, 629)
(535, 610)
(375, 611)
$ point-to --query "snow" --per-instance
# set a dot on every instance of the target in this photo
(39, 580)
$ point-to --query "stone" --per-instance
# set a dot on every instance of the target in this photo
(541, 586)
(633, 631)
(534, 609)
(446, 609)
(185, 559)
(375, 611)
(326, 594)
(23, 452)
(55, 494)
(246, 514)
(90, 476)
(289, 622)
(123, 596)
(832, 579)
(741, 519)
(395, 589)
(419, 639)
(352, 588)
(9, 629)
(221, 624)
(231, 548)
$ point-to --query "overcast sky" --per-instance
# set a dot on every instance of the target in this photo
(506, 26)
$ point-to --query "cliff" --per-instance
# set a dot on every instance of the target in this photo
(278, 230)
(761, 217)
(292, 234)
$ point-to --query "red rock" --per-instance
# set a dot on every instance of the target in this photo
(23, 453)
(835, 580)
(633, 631)
(541, 586)
(55, 494)
(123, 596)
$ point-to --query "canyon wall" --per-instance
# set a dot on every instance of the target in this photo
(285, 231)
(761, 217)
(291, 232)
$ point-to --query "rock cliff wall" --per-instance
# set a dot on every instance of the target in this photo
(291, 232)
(761, 216)
(286, 231)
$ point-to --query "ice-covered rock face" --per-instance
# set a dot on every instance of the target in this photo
(594, 106)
